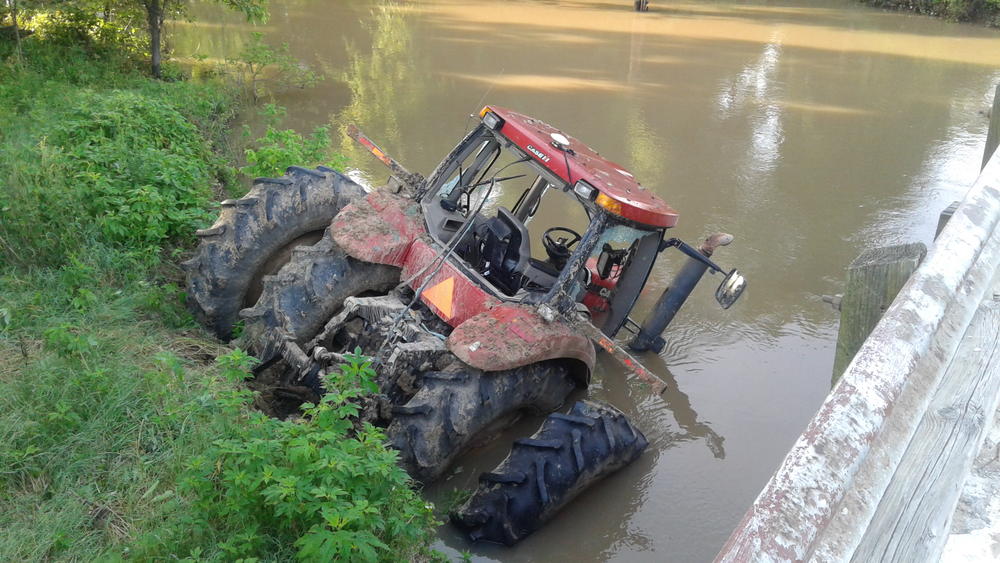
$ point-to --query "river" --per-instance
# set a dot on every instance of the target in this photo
(809, 130)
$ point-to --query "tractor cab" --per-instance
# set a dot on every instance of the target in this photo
(538, 217)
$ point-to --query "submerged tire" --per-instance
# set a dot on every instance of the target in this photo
(252, 238)
(308, 291)
(544, 472)
(452, 409)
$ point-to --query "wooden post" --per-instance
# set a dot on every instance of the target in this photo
(993, 136)
(873, 280)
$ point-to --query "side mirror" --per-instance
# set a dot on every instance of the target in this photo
(608, 259)
(730, 289)
(605, 262)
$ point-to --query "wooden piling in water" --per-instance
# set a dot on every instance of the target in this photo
(873, 280)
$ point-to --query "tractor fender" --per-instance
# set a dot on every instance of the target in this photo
(510, 336)
(379, 228)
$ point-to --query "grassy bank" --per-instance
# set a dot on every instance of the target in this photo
(123, 430)
(979, 11)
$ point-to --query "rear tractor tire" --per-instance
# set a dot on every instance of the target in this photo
(452, 410)
(544, 472)
(307, 292)
(254, 236)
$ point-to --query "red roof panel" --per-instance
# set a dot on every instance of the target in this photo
(584, 163)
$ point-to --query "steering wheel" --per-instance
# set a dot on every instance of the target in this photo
(559, 249)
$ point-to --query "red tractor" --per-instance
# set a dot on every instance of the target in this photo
(442, 282)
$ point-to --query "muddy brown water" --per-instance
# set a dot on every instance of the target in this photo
(809, 130)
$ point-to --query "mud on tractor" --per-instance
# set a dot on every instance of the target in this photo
(469, 325)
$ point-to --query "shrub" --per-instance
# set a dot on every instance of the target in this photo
(139, 163)
(986, 11)
(332, 490)
(265, 70)
(278, 149)
(72, 26)
(129, 167)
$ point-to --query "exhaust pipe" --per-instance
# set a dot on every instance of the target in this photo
(675, 295)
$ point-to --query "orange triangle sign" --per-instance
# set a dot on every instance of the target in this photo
(440, 296)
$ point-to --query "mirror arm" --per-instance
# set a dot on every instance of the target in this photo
(690, 251)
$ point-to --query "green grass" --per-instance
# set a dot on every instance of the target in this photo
(103, 400)
(124, 432)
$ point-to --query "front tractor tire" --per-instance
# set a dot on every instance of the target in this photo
(454, 410)
(568, 454)
(254, 236)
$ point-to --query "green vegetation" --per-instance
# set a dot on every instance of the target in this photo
(277, 147)
(333, 492)
(137, 24)
(986, 11)
(265, 69)
(96, 155)
(123, 431)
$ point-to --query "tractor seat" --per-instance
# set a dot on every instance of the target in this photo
(505, 250)
(539, 275)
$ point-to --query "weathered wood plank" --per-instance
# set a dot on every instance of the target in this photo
(912, 520)
(873, 280)
(976, 522)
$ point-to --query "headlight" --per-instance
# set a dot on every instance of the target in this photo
(492, 120)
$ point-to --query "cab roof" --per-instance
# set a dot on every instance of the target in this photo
(622, 194)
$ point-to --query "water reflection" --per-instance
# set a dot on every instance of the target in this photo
(809, 130)
(383, 82)
(752, 95)
(541, 82)
(644, 145)
(678, 404)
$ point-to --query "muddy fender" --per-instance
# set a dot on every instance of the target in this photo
(380, 228)
(510, 336)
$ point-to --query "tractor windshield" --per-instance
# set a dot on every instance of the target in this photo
(516, 220)
(517, 226)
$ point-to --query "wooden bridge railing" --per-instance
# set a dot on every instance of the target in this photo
(876, 474)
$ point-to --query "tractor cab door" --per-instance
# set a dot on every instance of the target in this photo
(619, 266)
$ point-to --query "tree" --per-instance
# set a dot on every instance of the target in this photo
(126, 14)
(158, 10)
(285, 70)
(11, 9)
